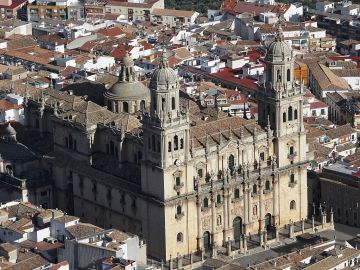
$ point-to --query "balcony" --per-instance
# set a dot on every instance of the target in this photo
(179, 216)
(292, 184)
(179, 186)
(292, 155)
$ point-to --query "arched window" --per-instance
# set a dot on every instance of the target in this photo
(116, 107)
(206, 202)
(231, 162)
(142, 105)
(284, 117)
(176, 142)
(153, 143)
(179, 237)
(218, 198)
(295, 114)
(237, 193)
(178, 210)
(290, 113)
(173, 103)
(267, 185)
(169, 147)
(126, 107)
(254, 189)
(278, 76)
(292, 178)
(291, 150)
(292, 205)
(181, 143)
(288, 75)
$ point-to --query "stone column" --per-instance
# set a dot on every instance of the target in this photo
(246, 204)
(291, 234)
(276, 199)
(191, 258)
(331, 218)
(226, 215)
(265, 237)
(245, 243)
(302, 225)
(313, 223)
(199, 231)
(261, 238)
(179, 261)
(250, 206)
(228, 247)
(213, 222)
(277, 233)
(171, 263)
(261, 209)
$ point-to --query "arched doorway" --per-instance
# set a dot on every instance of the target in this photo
(207, 241)
(237, 228)
(268, 222)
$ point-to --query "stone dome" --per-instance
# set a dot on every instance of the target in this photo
(9, 130)
(278, 48)
(128, 87)
(163, 75)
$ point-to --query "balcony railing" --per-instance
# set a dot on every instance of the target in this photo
(292, 155)
(292, 184)
(179, 186)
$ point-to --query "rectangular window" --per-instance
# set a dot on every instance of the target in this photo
(178, 180)
(237, 193)
(200, 173)
(262, 156)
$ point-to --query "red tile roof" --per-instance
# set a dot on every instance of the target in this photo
(7, 105)
(317, 105)
(111, 32)
(228, 74)
(241, 7)
(14, 4)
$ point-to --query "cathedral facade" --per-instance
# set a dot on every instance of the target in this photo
(183, 177)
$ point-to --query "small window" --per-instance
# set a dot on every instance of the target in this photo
(290, 113)
(173, 103)
(153, 143)
(200, 173)
(254, 189)
(237, 193)
(291, 150)
(284, 117)
(178, 210)
(169, 147)
(218, 199)
(292, 205)
(179, 237)
(206, 202)
(181, 143)
(262, 156)
(292, 178)
(267, 185)
(177, 180)
(255, 212)
(295, 114)
(176, 143)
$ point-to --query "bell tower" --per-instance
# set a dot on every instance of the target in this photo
(281, 99)
(166, 125)
(280, 104)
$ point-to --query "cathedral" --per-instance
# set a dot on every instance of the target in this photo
(154, 162)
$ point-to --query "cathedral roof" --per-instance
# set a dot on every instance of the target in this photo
(128, 87)
(163, 75)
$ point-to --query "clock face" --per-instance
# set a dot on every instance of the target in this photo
(178, 162)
